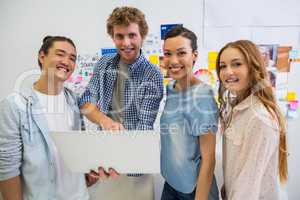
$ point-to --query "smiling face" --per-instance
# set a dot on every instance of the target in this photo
(128, 41)
(59, 62)
(179, 57)
(234, 71)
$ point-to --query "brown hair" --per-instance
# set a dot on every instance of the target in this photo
(260, 87)
(124, 16)
(48, 42)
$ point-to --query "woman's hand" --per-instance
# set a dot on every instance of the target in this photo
(92, 177)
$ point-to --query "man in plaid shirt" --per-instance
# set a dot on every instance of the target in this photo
(125, 91)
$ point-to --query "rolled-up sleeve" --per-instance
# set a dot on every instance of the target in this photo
(10, 141)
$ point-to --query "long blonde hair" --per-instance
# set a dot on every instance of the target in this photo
(259, 86)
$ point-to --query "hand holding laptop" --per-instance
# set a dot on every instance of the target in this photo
(92, 177)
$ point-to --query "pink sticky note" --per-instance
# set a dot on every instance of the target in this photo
(293, 105)
(69, 80)
(79, 78)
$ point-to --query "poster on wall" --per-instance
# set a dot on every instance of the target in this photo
(269, 54)
(110, 50)
(164, 28)
(82, 73)
(282, 62)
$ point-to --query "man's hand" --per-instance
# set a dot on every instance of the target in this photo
(92, 112)
(109, 124)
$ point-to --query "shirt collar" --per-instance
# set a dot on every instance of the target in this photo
(133, 66)
(29, 94)
(246, 103)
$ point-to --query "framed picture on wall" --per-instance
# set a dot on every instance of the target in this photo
(282, 61)
(269, 53)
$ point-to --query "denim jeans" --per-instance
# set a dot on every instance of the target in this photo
(170, 193)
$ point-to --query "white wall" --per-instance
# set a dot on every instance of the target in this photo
(24, 23)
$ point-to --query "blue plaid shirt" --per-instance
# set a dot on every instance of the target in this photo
(143, 90)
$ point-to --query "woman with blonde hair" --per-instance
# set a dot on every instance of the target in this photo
(254, 132)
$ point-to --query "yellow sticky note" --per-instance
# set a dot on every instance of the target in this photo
(291, 96)
(212, 58)
(211, 65)
(154, 59)
(166, 81)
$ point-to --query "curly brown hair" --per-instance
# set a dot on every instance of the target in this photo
(124, 16)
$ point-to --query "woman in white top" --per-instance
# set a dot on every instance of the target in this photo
(254, 133)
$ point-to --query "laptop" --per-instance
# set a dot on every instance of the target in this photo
(125, 151)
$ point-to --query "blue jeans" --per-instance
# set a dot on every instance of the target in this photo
(170, 193)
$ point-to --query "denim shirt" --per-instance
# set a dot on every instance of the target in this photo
(26, 148)
(186, 116)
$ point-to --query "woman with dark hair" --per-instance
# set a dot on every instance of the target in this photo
(30, 166)
(188, 124)
(254, 133)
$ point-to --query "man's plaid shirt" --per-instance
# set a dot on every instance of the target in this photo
(143, 90)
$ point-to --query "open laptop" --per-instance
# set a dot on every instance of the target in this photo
(125, 151)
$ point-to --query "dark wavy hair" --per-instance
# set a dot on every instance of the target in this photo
(48, 42)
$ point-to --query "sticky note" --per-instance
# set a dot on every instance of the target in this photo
(166, 81)
(293, 54)
(211, 65)
(154, 59)
(69, 80)
(292, 114)
(293, 105)
(212, 58)
(291, 96)
(79, 78)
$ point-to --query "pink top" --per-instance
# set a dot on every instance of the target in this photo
(250, 153)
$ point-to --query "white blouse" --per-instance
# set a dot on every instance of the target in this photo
(250, 153)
